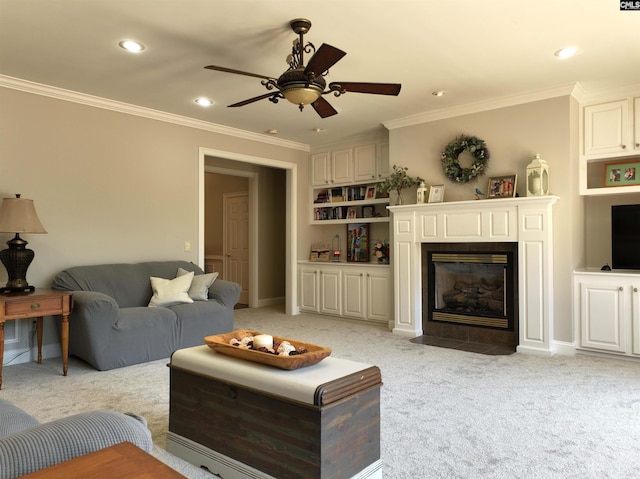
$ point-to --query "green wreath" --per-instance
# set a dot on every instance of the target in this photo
(476, 148)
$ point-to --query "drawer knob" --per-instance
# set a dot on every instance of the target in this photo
(635, 290)
(619, 288)
(35, 306)
(624, 147)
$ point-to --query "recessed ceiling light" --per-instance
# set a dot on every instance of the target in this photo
(203, 101)
(319, 130)
(438, 93)
(566, 52)
(131, 46)
(273, 131)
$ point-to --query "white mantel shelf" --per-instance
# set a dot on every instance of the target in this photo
(527, 221)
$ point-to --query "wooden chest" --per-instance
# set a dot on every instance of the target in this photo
(240, 419)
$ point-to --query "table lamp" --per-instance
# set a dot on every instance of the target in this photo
(18, 215)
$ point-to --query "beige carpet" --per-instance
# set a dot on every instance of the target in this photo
(444, 413)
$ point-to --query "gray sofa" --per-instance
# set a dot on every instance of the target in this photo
(27, 446)
(112, 325)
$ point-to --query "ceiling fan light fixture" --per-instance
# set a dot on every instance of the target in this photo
(302, 96)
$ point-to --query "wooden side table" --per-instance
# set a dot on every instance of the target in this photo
(124, 461)
(37, 304)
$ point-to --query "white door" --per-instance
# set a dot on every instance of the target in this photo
(236, 241)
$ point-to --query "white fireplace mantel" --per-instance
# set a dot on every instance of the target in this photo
(526, 221)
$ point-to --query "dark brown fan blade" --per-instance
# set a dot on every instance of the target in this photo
(375, 88)
(323, 59)
(237, 72)
(251, 100)
(323, 108)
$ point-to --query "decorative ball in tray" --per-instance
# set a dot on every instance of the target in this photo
(276, 351)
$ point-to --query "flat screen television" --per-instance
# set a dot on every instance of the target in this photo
(625, 236)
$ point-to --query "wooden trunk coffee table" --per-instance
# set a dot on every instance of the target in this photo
(241, 419)
(122, 461)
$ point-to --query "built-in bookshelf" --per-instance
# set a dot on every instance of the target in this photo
(349, 203)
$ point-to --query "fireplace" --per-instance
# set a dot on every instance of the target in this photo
(470, 292)
(526, 222)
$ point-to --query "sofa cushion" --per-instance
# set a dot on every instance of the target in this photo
(199, 290)
(167, 292)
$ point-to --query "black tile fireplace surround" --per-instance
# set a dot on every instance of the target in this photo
(483, 320)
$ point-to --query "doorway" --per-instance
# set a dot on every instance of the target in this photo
(290, 222)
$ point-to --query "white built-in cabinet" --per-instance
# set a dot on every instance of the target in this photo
(341, 166)
(359, 291)
(610, 132)
(607, 311)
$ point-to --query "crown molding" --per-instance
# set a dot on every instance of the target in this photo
(611, 93)
(572, 89)
(129, 109)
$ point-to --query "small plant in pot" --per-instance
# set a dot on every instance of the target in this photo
(397, 181)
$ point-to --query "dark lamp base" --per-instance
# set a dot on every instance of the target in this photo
(26, 289)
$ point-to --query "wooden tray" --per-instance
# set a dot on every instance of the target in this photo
(220, 344)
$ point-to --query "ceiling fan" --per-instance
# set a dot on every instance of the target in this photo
(305, 84)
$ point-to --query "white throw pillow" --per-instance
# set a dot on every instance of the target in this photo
(199, 290)
(167, 292)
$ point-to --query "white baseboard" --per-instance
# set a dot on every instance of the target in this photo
(564, 348)
(228, 468)
(270, 301)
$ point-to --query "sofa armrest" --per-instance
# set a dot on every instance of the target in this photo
(57, 441)
(95, 307)
(225, 292)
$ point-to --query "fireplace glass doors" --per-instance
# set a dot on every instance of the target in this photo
(472, 284)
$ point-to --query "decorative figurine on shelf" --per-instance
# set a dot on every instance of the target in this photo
(396, 181)
(479, 194)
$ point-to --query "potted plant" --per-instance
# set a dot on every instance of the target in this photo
(396, 181)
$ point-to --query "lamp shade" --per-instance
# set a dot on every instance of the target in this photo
(18, 215)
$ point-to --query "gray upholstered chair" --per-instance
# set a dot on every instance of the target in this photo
(27, 446)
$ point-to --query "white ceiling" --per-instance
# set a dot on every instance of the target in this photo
(476, 50)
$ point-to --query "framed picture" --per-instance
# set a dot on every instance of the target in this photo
(371, 192)
(622, 173)
(502, 186)
(351, 212)
(436, 194)
(358, 242)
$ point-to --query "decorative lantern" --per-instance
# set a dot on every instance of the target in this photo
(336, 250)
(422, 193)
(537, 177)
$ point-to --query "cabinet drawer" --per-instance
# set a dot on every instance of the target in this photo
(34, 307)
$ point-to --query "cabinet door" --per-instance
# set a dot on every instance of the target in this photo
(364, 159)
(606, 128)
(635, 315)
(330, 292)
(354, 294)
(342, 166)
(309, 290)
(602, 317)
(320, 169)
(382, 161)
(378, 294)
